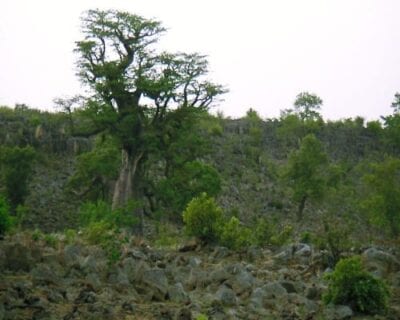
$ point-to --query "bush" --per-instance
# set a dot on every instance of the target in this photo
(102, 226)
(93, 212)
(103, 234)
(335, 238)
(203, 218)
(6, 221)
(351, 284)
(268, 232)
(235, 236)
(17, 166)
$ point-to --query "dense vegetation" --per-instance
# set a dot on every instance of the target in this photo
(143, 151)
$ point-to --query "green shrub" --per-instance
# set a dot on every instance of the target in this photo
(306, 237)
(351, 284)
(282, 237)
(92, 212)
(103, 234)
(335, 238)
(203, 218)
(17, 167)
(168, 236)
(6, 221)
(235, 236)
(201, 317)
(268, 232)
(70, 235)
(37, 235)
(50, 240)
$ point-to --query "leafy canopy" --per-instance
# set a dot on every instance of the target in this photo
(307, 106)
(134, 85)
(382, 199)
(304, 171)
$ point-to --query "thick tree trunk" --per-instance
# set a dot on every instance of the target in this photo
(301, 207)
(127, 186)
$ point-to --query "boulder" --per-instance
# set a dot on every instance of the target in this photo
(338, 312)
(226, 296)
(177, 293)
(274, 290)
(17, 257)
(242, 282)
(43, 274)
(155, 283)
(380, 262)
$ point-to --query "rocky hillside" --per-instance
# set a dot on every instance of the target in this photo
(65, 279)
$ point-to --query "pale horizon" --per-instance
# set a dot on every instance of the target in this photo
(264, 52)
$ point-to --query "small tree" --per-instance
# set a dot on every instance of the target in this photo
(351, 284)
(17, 165)
(307, 106)
(392, 125)
(187, 182)
(203, 218)
(382, 198)
(95, 170)
(304, 172)
(6, 221)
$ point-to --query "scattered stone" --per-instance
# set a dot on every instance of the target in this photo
(43, 274)
(274, 290)
(226, 296)
(191, 245)
(220, 253)
(156, 284)
(17, 257)
(176, 293)
(184, 314)
(289, 286)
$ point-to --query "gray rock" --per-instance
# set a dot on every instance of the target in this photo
(17, 257)
(43, 274)
(72, 254)
(197, 279)
(134, 270)
(302, 250)
(2, 311)
(380, 261)
(194, 262)
(90, 264)
(226, 296)
(338, 312)
(93, 280)
(155, 283)
(177, 293)
(257, 298)
(289, 286)
(220, 253)
(241, 282)
(219, 275)
(183, 314)
(314, 292)
(274, 290)
(343, 312)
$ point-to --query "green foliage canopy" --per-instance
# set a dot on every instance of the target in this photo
(16, 166)
(304, 172)
(382, 198)
(351, 284)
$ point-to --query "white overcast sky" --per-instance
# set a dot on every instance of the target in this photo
(264, 51)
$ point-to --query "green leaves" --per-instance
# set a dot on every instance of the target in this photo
(351, 284)
(16, 166)
(305, 171)
(382, 198)
(307, 106)
(203, 218)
